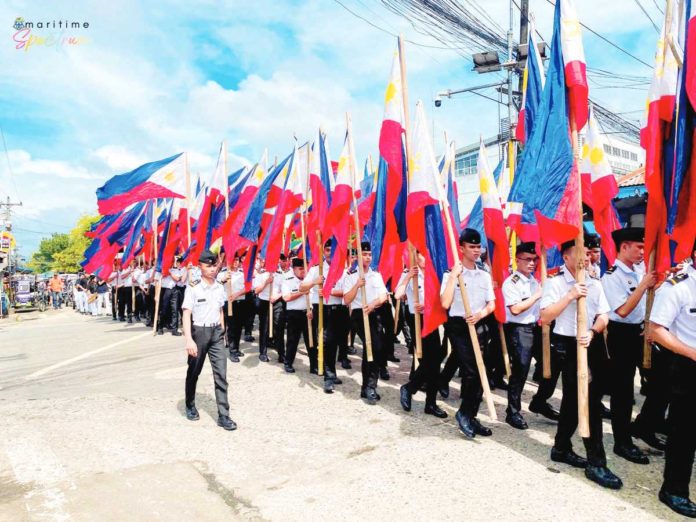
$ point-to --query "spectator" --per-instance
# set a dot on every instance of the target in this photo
(55, 286)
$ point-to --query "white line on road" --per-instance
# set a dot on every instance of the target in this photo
(84, 356)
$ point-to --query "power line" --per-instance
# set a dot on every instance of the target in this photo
(9, 166)
(647, 15)
(658, 7)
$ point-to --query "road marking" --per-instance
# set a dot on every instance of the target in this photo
(85, 356)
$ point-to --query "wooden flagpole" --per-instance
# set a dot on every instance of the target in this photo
(227, 214)
(411, 249)
(303, 211)
(545, 329)
(320, 333)
(158, 285)
(361, 273)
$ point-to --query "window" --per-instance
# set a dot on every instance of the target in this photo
(607, 149)
(466, 165)
(634, 156)
(616, 152)
(625, 154)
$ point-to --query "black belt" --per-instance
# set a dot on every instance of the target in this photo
(529, 326)
(628, 326)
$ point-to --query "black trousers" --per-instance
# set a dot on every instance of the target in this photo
(234, 324)
(151, 302)
(279, 323)
(297, 327)
(370, 370)
(210, 342)
(657, 391)
(263, 311)
(457, 331)
(167, 317)
(494, 361)
(681, 429)
(566, 348)
(547, 386)
(249, 312)
(140, 308)
(429, 369)
(340, 323)
(180, 291)
(125, 301)
(114, 304)
(625, 344)
(521, 339)
(335, 333)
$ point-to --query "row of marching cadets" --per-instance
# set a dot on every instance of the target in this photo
(615, 304)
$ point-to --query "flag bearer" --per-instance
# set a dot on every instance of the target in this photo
(296, 315)
(279, 308)
(262, 285)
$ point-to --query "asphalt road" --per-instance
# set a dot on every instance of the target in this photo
(93, 429)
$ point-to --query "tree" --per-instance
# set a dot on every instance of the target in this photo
(68, 259)
(42, 260)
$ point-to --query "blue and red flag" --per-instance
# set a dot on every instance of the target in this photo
(532, 88)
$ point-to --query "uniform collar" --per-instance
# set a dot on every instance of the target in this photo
(524, 277)
(206, 285)
(691, 271)
(475, 269)
(624, 267)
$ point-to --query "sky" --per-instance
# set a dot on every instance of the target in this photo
(146, 80)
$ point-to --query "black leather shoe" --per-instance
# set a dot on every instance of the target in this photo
(176, 333)
(314, 371)
(649, 438)
(370, 395)
(516, 421)
(443, 389)
(351, 350)
(227, 423)
(500, 385)
(147, 325)
(632, 454)
(545, 409)
(249, 338)
(405, 397)
(465, 425)
(160, 331)
(568, 457)
(606, 412)
(384, 374)
(480, 429)
(122, 319)
(345, 364)
(239, 353)
(233, 357)
(115, 319)
(435, 410)
(603, 476)
(130, 320)
(192, 413)
(289, 369)
(681, 505)
(328, 386)
(263, 357)
(336, 380)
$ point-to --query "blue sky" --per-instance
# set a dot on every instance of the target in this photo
(156, 78)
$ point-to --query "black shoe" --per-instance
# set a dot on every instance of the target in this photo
(249, 338)
(649, 438)
(405, 398)
(480, 429)
(289, 368)
(435, 410)
(314, 371)
(345, 364)
(147, 325)
(160, 331)
(568, 457)
(227, 423)
(384, 374)
(192, 413)
(681, 505)
(328, 386)
(500, 385)
(631, 453)
(603, 476)
(130, 320)
(115, 319)
(545, 409)
(465, 425)
(122, 319)
(239, 353)
(370, 395)
(516, 421)
(336, 380)
(606, 412)
(351, 350)
(233, 357)
(444, 390)
(281, 358)
(176, 333)
(263, 357)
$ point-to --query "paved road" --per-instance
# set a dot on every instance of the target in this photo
(93, 429)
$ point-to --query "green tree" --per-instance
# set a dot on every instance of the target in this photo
(42, 260)
(68, 259)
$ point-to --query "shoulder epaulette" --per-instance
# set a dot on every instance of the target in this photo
(555, 275)
(611, 270)
(405, 270)
(352, 270)
(515, 278)
(448, 271)
(678, 278)
(194, 283)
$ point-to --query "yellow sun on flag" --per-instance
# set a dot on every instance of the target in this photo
(258, 175)
(585, 150)
(596, 156)
(342, 163)
(485, 185)
(169, 177)
(391, 92)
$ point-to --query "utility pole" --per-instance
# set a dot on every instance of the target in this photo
(524, 31)
(8, 212)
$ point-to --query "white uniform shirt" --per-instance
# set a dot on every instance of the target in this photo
(141, 280)
(567, 322)
(479, 287)
(675, 306)
(374, 287)
(409, 290)
(312, 274)
(168, 281)
(618, 283)
(291, 284)
(516, 288)
(149, 275)
(237, 277)
(277, 284)
(205, 302)
(124, 278)
(260, 279)
(179, 272)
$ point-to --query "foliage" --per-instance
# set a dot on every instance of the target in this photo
(63, 252)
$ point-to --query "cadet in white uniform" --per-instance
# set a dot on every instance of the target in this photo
(204, 331)
(559, 303)
(296, 315)
(262, 285)
(376, 295)
(479, 287)
(625, 285)
(673, 325)
(234, 324)
(279, 319)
